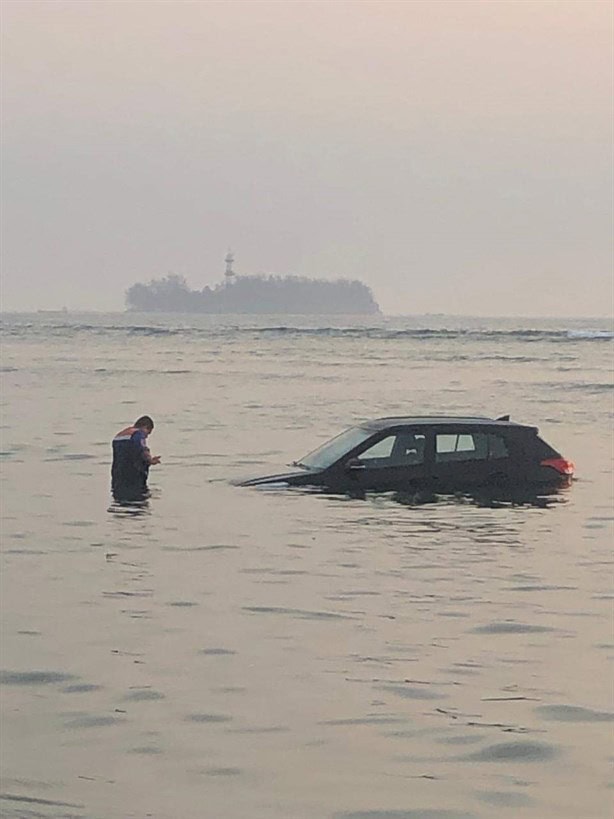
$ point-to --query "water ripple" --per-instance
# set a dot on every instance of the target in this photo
(33, 677)
(573, 713)
(515, 752)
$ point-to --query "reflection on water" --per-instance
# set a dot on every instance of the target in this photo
(492, 498)
(134, 505)
(213, 650)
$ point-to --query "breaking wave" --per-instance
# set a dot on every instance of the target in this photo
(62, 329)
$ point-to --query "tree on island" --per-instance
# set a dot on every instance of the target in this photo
(254, 294)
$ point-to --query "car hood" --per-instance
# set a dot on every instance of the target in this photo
(275, 474)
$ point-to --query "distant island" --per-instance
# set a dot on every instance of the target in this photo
(254, 294)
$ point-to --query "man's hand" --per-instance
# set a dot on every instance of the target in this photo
(155, 460)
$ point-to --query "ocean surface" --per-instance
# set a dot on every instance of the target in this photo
(236, 653)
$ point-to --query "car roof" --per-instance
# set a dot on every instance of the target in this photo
(442, 420)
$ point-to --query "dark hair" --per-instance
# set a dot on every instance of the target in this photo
(144, 421)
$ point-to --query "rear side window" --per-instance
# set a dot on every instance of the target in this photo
(497, 448)
(473, 446)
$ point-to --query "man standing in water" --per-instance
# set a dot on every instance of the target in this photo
(132, 459)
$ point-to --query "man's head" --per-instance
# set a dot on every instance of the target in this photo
(145, 423)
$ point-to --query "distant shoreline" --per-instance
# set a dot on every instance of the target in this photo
(60, 313)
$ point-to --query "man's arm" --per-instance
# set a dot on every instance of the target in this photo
(149, 459)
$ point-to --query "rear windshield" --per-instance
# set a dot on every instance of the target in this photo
(326, 455)
(544, 450)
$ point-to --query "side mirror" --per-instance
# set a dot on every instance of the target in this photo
(354, 464)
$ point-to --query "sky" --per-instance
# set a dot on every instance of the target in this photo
(454, 155)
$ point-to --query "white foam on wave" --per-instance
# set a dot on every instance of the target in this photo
(590, 334)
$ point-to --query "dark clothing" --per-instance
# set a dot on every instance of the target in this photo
(130, 464)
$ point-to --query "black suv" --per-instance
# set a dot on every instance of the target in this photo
(437, 453)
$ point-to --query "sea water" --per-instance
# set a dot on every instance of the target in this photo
(286, 654)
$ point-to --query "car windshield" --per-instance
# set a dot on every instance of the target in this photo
(326, 455)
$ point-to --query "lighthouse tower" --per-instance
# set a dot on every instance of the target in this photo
(229, 273)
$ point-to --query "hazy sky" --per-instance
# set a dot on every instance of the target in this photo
(456, 156)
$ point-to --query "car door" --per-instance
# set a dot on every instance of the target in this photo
(465, 458)
(395, 461)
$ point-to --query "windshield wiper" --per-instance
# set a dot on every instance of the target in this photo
(299, 464)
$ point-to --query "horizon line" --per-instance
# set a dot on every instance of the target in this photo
(430, 313)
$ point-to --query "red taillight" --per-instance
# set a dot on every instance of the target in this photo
(562, 465)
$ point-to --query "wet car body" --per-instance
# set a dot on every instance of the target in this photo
(434, 453)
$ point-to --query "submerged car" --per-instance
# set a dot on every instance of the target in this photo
(435, 453)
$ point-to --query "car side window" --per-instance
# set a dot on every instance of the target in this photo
(401, 449)
(497, 448)
(381, 449)
(453, 447)
(409, 448)
(474, 446)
